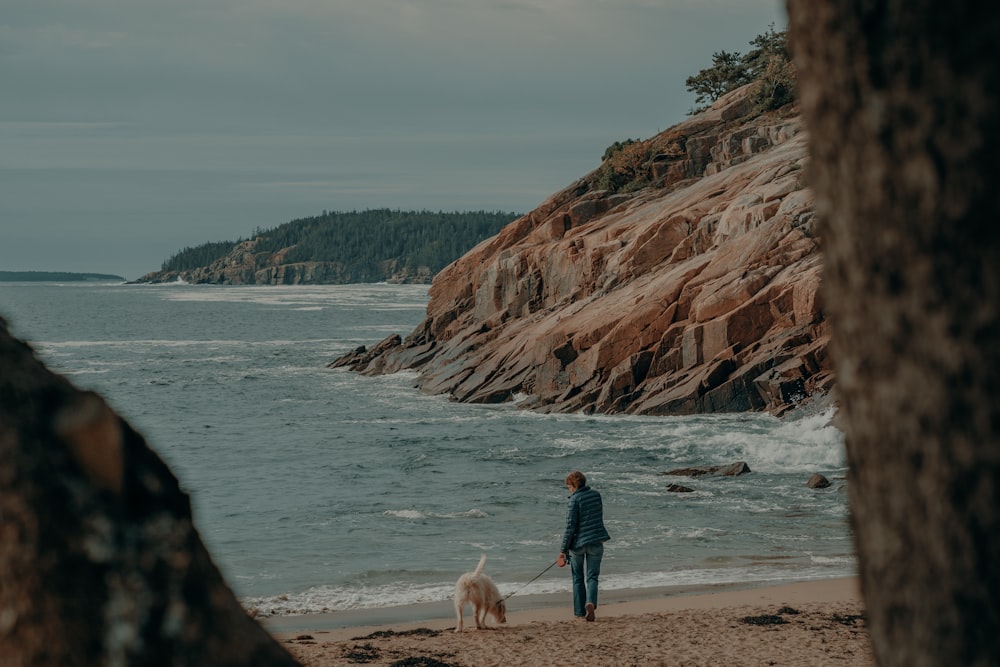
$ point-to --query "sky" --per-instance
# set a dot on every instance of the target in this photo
(130, 129)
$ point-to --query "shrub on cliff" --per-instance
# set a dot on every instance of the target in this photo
(626, 164)
(771, 69)
(776, 86)
(617, 147)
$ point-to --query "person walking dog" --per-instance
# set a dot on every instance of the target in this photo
(583, 543)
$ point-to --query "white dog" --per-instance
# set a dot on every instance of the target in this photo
(477, 589)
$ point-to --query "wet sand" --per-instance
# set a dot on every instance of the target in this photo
(802, 623)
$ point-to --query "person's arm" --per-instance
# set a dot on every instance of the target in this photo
(572, 524)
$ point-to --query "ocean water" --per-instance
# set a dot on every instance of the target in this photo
(323, 490)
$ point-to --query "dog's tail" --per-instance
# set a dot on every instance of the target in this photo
(482, 564)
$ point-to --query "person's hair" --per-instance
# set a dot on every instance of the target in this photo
(577, 479)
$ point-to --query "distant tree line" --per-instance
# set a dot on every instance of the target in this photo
(192, 258)
(54, 276)
(363, 241)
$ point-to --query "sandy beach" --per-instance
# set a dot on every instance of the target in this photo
(802, 623)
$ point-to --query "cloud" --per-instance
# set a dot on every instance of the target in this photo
(226, 115)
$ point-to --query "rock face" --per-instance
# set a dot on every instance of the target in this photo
(244, 265)
(696, 294)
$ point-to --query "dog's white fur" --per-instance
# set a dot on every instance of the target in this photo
(477, 589)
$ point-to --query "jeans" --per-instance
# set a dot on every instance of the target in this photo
(585, 566)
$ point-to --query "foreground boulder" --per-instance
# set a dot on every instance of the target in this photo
(100, 563)
(698, 293)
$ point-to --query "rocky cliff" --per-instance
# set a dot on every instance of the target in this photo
(698, 293)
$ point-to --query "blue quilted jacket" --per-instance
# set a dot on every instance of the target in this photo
(584, 520)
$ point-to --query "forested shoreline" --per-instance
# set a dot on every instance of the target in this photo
(366, 243)
(54, 276)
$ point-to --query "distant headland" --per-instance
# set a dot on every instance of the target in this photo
(55, 276)
(338, 248)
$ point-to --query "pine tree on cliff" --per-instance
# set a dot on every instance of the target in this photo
(767, 66)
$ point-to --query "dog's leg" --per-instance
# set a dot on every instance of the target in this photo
(458, 614)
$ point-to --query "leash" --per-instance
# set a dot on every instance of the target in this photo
(509, 596)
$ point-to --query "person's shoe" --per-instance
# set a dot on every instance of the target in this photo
(590, 611)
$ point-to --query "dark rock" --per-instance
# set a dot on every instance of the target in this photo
(818, 481)
(677, 488)
(361, 359)
(350, 358)
(764, 619)
(731, 470)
